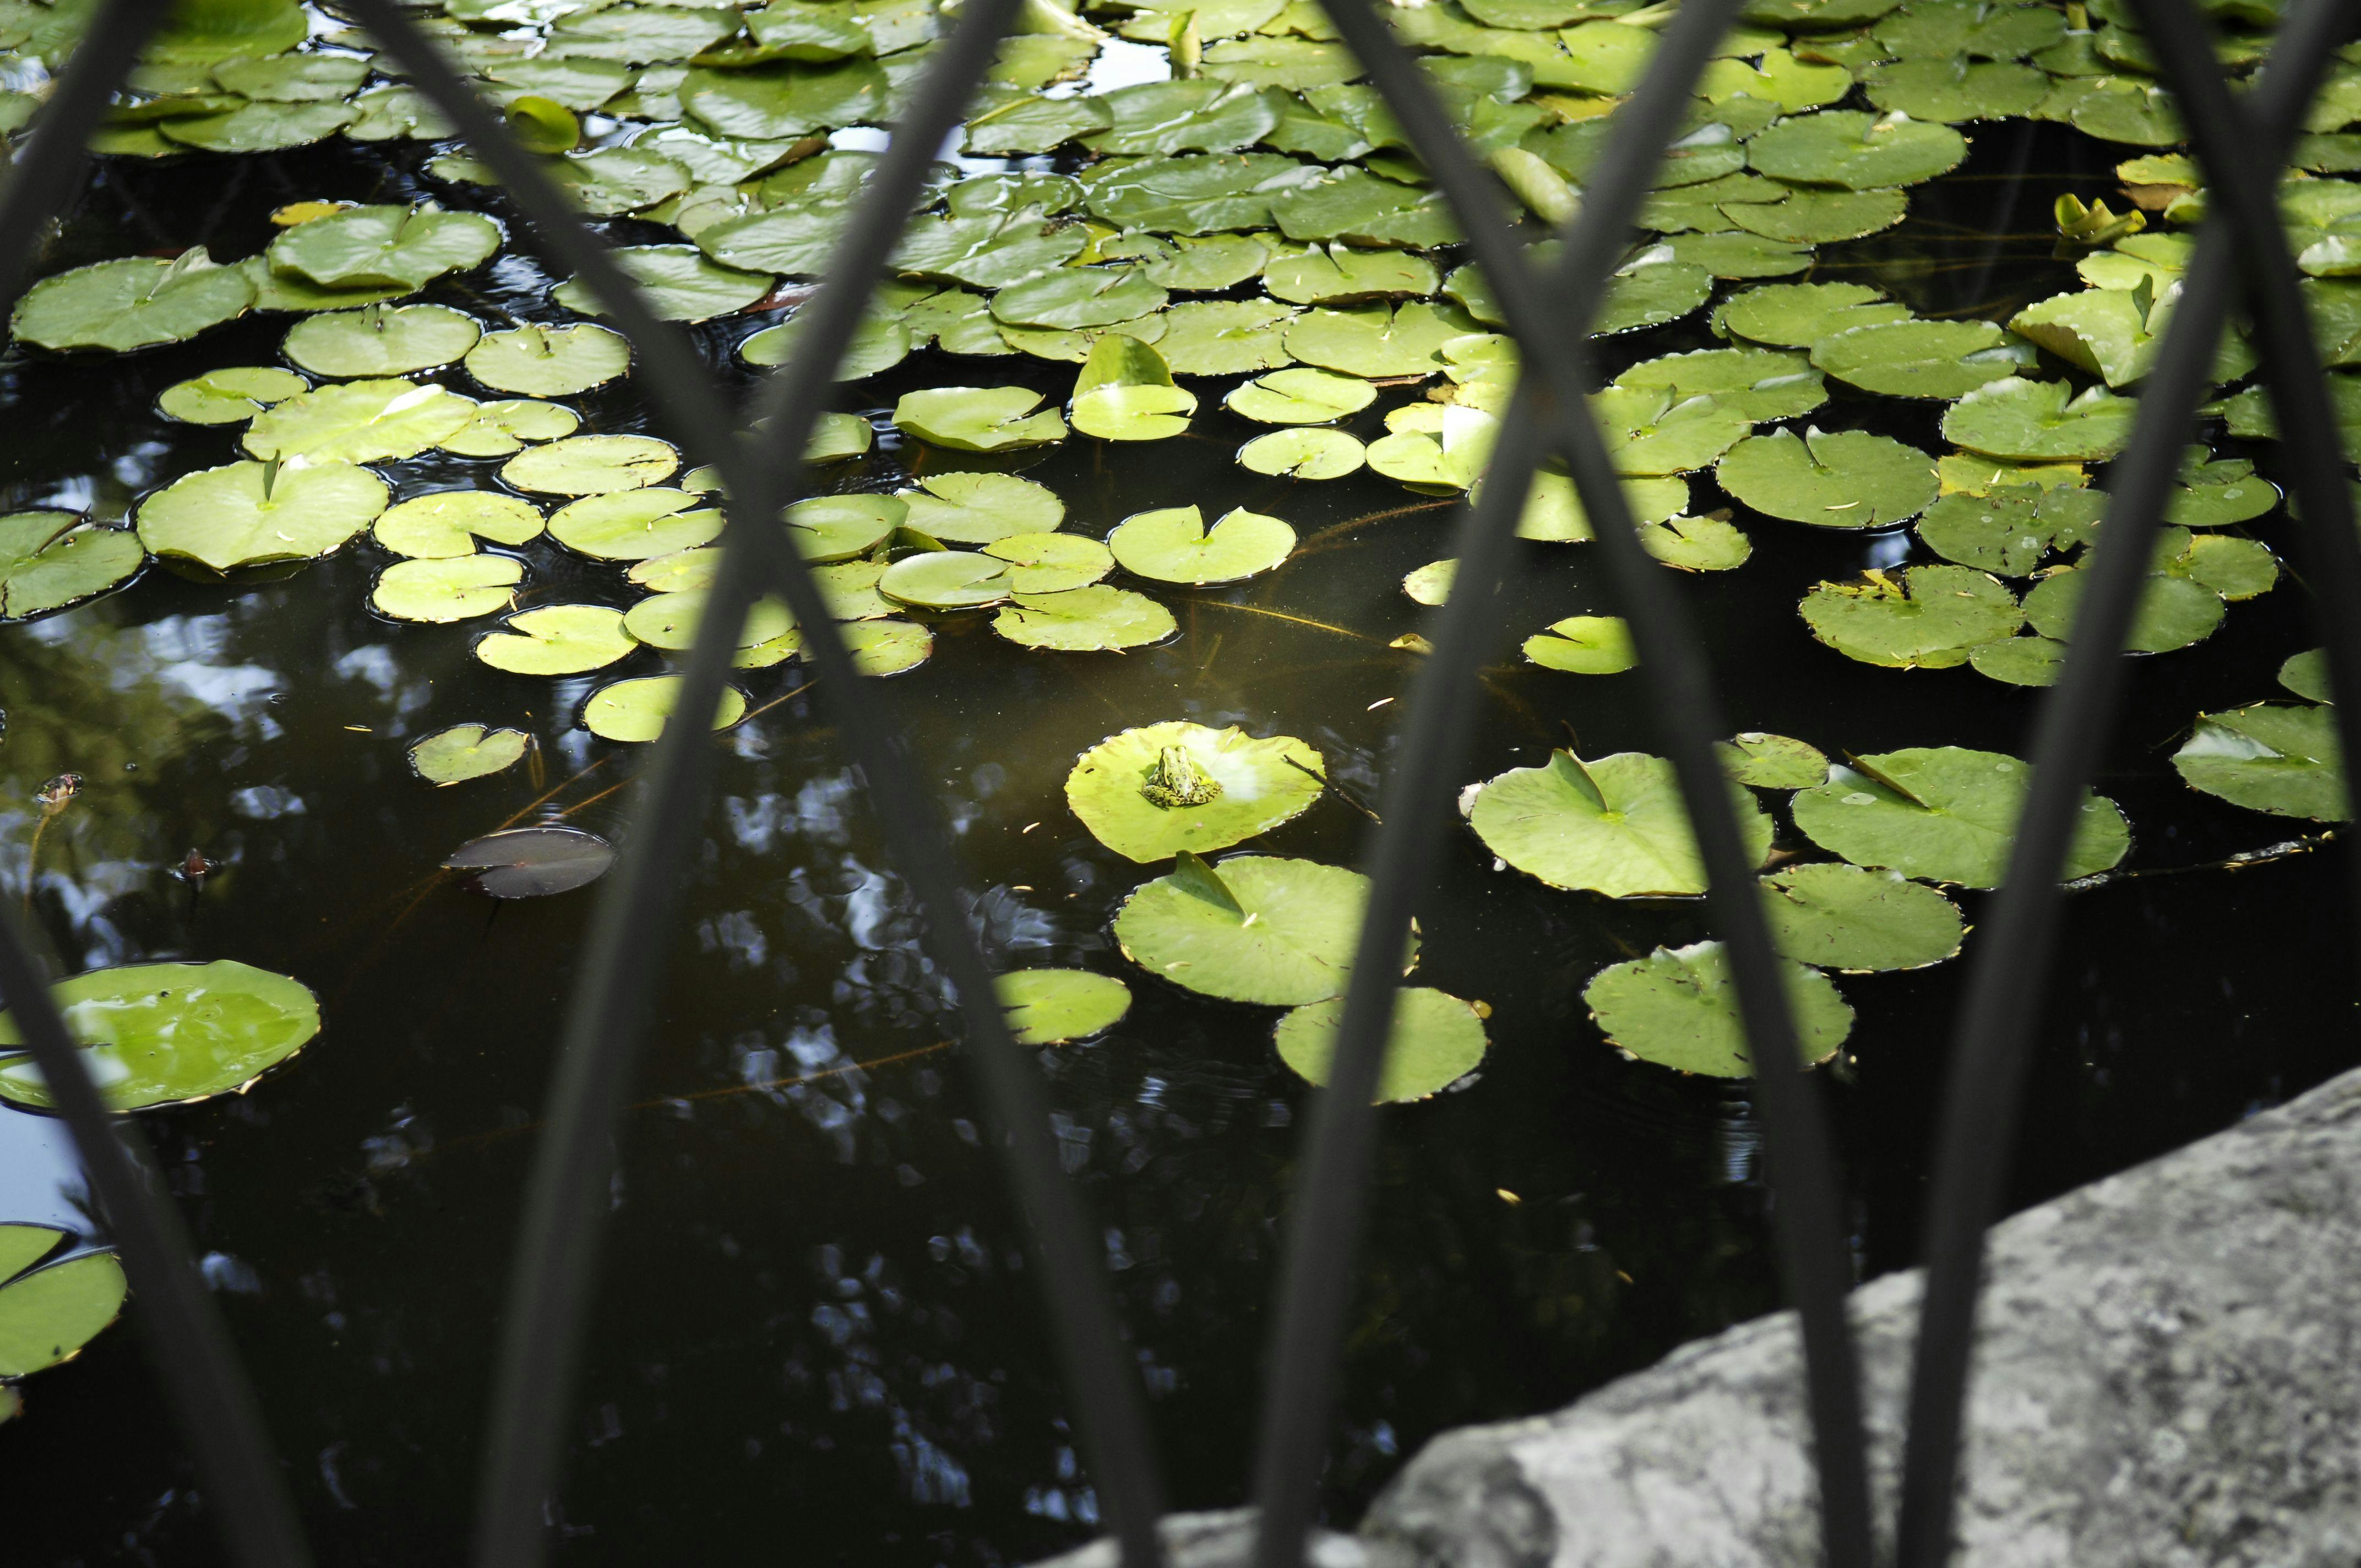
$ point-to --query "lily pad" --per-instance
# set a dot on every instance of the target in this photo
(878, 345)
(979, 419)
(1255, 929)
(230, 396)
(635, 525)
(2174, 611)
(1051, 1006)
(1927, 618)
(389, 247)
(1921, 359)
(881, 648)
(1811, 217)
(1173, 545)
(1376, 343)
(381, 342)
(1678, 1008)
(358, 421)
(1774, 761)
(678, 282)
(549, 361)
(2306, 674)
(1585, 645)
(948, 580)
(557, 640)
(1344, 275)
(47, 1315)
(1306, 453)
(506, 425)
(2027, 661)
(531, 863)
(1615, 826)
(1695, 544)
(1846, 917)
(467, 751)
(1149, 792)
(453, 588)
(1301, 396)
(592, 466)
(222, 518)
(1797, 315)
(2271, 757)
(1126, 393)
(135, 303)
(827, 528)
(2035, 422)
(1225, 337)
(2010, 528)
(767, 636)
(976, 508)
(1435, 1040)
(1856, 150)
(1845, 479)
(444, 523)
(168, 1034)
(1945, 814)
(1051, 562)
(52, 559)
(1202, 115)
(1077, 297)
(1084, 619)
(635, 710)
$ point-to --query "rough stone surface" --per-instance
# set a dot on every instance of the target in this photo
(2169, 1376)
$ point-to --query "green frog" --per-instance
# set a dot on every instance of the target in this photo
(1176, 781)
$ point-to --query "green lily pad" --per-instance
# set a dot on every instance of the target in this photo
(785, 98)
(1225, 337)
(1739, 255)
(1077, 297)
(1343, 275)
(1306, 453)
(635, 710)
(678, 282)
(1845, 917)
(47, 1315)
(1585, 645)
(1773, 761)
(998, 250)
(2306, 674)
(1927, 618)
(230, 396)
(1695, 544)
(1148, 793)
(1811, 217)
(2028, 661)
(1944, 814)
(2271, 757)
(1435, 1040)
(1255, 929)
(1921, 359)
(881, 648)
(635, 525)
(384, 247)
(1301, 396)
(592, 466)
(1201, 115)
(1376, 343)
(257, 127)
(1051, 1006)
(1848, 479)
(1797, 315)
(52, 559)
(1126, 393)
(1191, 264)
(877, 346)
(1614, 826)
(358, 421)
(2216, 495)
(452, 588)
(507, 424)
(1954, 90)
(2174, 611)
(1755, 383)
(2034, 422)
(135, 303)
(2008, 529)
(195, 34)
(444, 523)
(767, 636)
(1173, 545)
(979, 419)
(294, 293)
(381, 342)
(467, 751)
(1084, 619)
(549, 361)
(221, 518)
(168, 1034)
(947, 580)
(1856, 150)
(557, 640)
(1678, 1008)
(1051, 562)
(976, 508)
(1019, 122)
(829, 529)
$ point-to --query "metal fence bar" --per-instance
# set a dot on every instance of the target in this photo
(544, 1326)
(2008, 976)
(205, 1383)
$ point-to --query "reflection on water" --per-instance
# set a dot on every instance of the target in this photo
(816, 1333)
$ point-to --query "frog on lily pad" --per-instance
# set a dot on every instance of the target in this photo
(1175, 781)
(1149, 792)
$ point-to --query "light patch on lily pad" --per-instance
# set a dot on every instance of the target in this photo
(168, 1034)
(1615, 826)
(827, 528)
(948, 580)
(1945, 814)
(678, 282)
(1051, 1006)
(1255, 929)
(1050, 563)
(1173, 545)
(1921, 359)
(1149, 792)
(223, 517)
(1678, 1008)
(378, 246)
(467, 751)
(1435, 1040)
(881, 648)
(635, 710)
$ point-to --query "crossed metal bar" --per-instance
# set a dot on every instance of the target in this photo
(2239, 146)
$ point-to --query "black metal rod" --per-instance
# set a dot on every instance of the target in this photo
(205, 1383)
(543, 1331)
(1325, 1226)
(2007, 979)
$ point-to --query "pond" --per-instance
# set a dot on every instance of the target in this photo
(814, 1334)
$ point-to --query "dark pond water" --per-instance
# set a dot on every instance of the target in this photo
(814, 1338)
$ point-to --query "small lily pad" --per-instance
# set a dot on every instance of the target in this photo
(635, 525)
(1946, 814)
(678, 282)
(1173, 545)
(1797, 315)
(1149, 792)
(2271, 757)
(767, 636)
(439, 592)
(635, 710)
(2306, 674)
(827, 528)
(380, 342)
(1303, 395)
(948, 580)
(1615, 826)
(1856, 150)
(2174, 611)
(1774, 761)
(1308, 452)
(592, 466)
(135, 303)
(467, 751)
(1848, 479)
(979, 419)
(1678, 1008)
(1846, 917)
(52, 559)
(1585, 645)
(531, 863)
(1124, 392)
(1051, 1006)
(222, 518)
(444, 523)
(1084, 619)
(1050, 563)
(2040, 421)
(881, 648)
(549, 361)
(976, 508)
(557, 640)
(48, 1314)
(168, 1034)
(1435, 1040)
(231, 396)
(506, 425)
(1255, 929)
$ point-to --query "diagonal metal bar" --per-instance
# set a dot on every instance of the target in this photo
(2008, 977)
(542, 1334)
(1552, 403)
(205, 1383)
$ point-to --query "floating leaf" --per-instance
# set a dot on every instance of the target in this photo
(2010, 528)
(1183, 117)
(557, 640)
(1435, 1040)
(1856, 150)
(1173, 545)
(1342, 275)
(837, 528)
(231, 396)
(467, 751)
(2306, 674)
(1921, 359)
(1945, 814)
(358, 421)
(1255, 929)
(592, 466)
(634, 525)
(947, 579)
(1302, 396)
(1084, 619)
(1050, 563)
(976, 508)
(444, 523)
(979, 419)
(2271, 757)
(1844, 917)
(455, 588)
(387, 246)
(1376, 343)
(549, 361)
(381, 342)
(887, 647)
(767, 636)
(531, 863)
(1307, 452)
(1797, 315)
(47, 1315)
(1927, 618)
(506, 425)
(2034, 422)
(1694, 543)
(1051, 1006)
(1845, 479)
(168, 1034)
(1076, 296)
(635, 710)
(1149, 792)
(1585, 645)
(1124, 393)
(678, 282)
(1614, 826)
(877, 346)
(52, 559)
(1678, 1008)
(132, 303)
(1774, 761)
(1225, 337)
(2027, 661)
(223, 519)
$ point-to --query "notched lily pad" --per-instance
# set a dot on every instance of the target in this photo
(1052, 1006)
(1254, 928)
(1149, 792)
(635, 710)
(52, 559)
(1946, 814)
(1846, 917)
(2272, 757)
(1173, 545)
(1615, 826)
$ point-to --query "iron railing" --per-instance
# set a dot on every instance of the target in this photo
(2241, 256)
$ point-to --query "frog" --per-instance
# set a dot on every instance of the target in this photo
(1176, 781)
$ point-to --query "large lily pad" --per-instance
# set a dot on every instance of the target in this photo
(1124, 392)
(1377, 343)
(679, 283)
(635, 525)
(222, 518)
(359, 421)
(976, 508)
(1846, 917)
(1797, 315)
(1946, 814)
(592, 466)
(1848, 479)
(1084, 619)
(1200, 115)
(135, 303)
(1678, 1007)
(635, 710)
(1920, 359)
(557, 640)
(167, 1034)
(2271, 757)
(1435, 1040)
(1301, 396)
(1173, 545)
(948, 580)
(1255, 929)
(1856, 150)
(452, 589)
(1927, 618)
(549, 361)
(52, 559)
(230, 396)
(1615, 826)
(1149, 792)
(2040, 421)
(979, 419)
(389, 246)
(381, 342)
